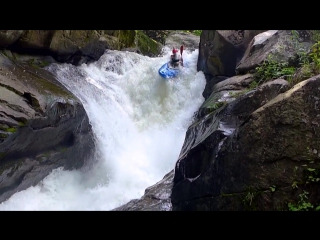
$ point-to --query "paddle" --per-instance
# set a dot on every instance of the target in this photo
(181, 51)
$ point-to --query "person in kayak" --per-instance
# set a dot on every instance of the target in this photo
(176, 59)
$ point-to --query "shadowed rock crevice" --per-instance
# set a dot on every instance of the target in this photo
(31, 100)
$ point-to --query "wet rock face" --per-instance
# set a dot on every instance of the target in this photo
(42, 126)
(213, 166)
(156, 197)
(221, 50)
(266, 161)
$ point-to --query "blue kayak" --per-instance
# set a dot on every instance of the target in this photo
(166, 71)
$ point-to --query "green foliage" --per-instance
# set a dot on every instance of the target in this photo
(215, 106)
(195, 32)
(43, 64)
(2, 135)
(38, 63)
(22, 123)
(308, 63)
(248, 198)
(315, 35)
(4, 54)
(303, 57)
(273, 188)
(294, 185)
(312, 175)
(127, 37)
(315, 56)
(272, 69)
(253, 85)
(237, 94)
(11, 129)
(295, 39)
(146, 45)
(302, 204)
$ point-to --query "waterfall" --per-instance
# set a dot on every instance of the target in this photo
(139, 121)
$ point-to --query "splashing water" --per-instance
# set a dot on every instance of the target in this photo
(139, 121)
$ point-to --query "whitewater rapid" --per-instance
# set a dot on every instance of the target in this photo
(139, 121)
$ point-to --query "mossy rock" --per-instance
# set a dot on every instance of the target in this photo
(127, 38)
(147, 45)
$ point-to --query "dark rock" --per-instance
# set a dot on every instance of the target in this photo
(77, 46)
(46, 125)
(210, 83)
(221, 50)
(8, 37)
(210, 171)
(156, 197)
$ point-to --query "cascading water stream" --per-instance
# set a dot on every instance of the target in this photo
(139, 121)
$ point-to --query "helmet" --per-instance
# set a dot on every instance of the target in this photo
(174, 50)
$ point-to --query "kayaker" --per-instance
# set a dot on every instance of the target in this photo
(176, 58)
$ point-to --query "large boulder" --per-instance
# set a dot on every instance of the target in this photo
(231, 151)
(280, 45)
(189, 41)
(221, 50)
(145, 45)
(8, 37)
(78, 46)
(43, 126)
(71, 46)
